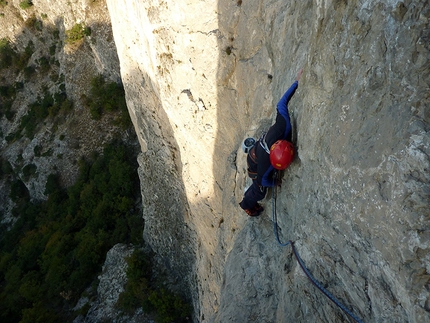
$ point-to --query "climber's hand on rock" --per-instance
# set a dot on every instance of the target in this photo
(299, 74)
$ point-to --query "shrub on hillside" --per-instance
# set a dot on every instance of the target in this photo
(25, 4)
(7, 92)
(6, 53)
(10, 57)
(44, 64)
(48, 105)
(29, 72)
(28, 171)
(107, 97)
(77, 32)
(34, 24)
(21, 59)
(5, 168)
(18, 190)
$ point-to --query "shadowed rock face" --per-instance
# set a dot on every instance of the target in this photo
(200, 76)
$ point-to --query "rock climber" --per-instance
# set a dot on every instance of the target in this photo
(273, 151)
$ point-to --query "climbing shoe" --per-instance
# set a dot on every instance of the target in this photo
(258, 208)
(255, 211)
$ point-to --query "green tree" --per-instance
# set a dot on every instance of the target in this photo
(39, 313)
(30, 288)
(168, 306)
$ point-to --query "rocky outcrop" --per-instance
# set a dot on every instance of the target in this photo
(111, 284)
(202, 75)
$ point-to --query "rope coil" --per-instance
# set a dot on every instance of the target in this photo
(301, 263)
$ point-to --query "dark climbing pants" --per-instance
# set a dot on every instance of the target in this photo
(252, 195)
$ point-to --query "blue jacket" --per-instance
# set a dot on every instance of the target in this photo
(281, 129)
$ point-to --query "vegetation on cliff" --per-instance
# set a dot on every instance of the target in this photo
(142, 291)
(56, 248)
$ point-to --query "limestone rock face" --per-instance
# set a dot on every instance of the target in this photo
(111, 284)
(200, 76)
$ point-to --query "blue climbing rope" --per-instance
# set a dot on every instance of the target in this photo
(275, 220)
(301, 263)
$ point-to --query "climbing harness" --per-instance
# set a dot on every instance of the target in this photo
(263, 143)
(300, 261)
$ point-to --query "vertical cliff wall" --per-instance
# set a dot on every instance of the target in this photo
(202, 75)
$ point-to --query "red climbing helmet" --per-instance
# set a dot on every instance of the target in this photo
(281, 154)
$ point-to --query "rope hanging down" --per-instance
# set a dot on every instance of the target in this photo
(302, 265)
